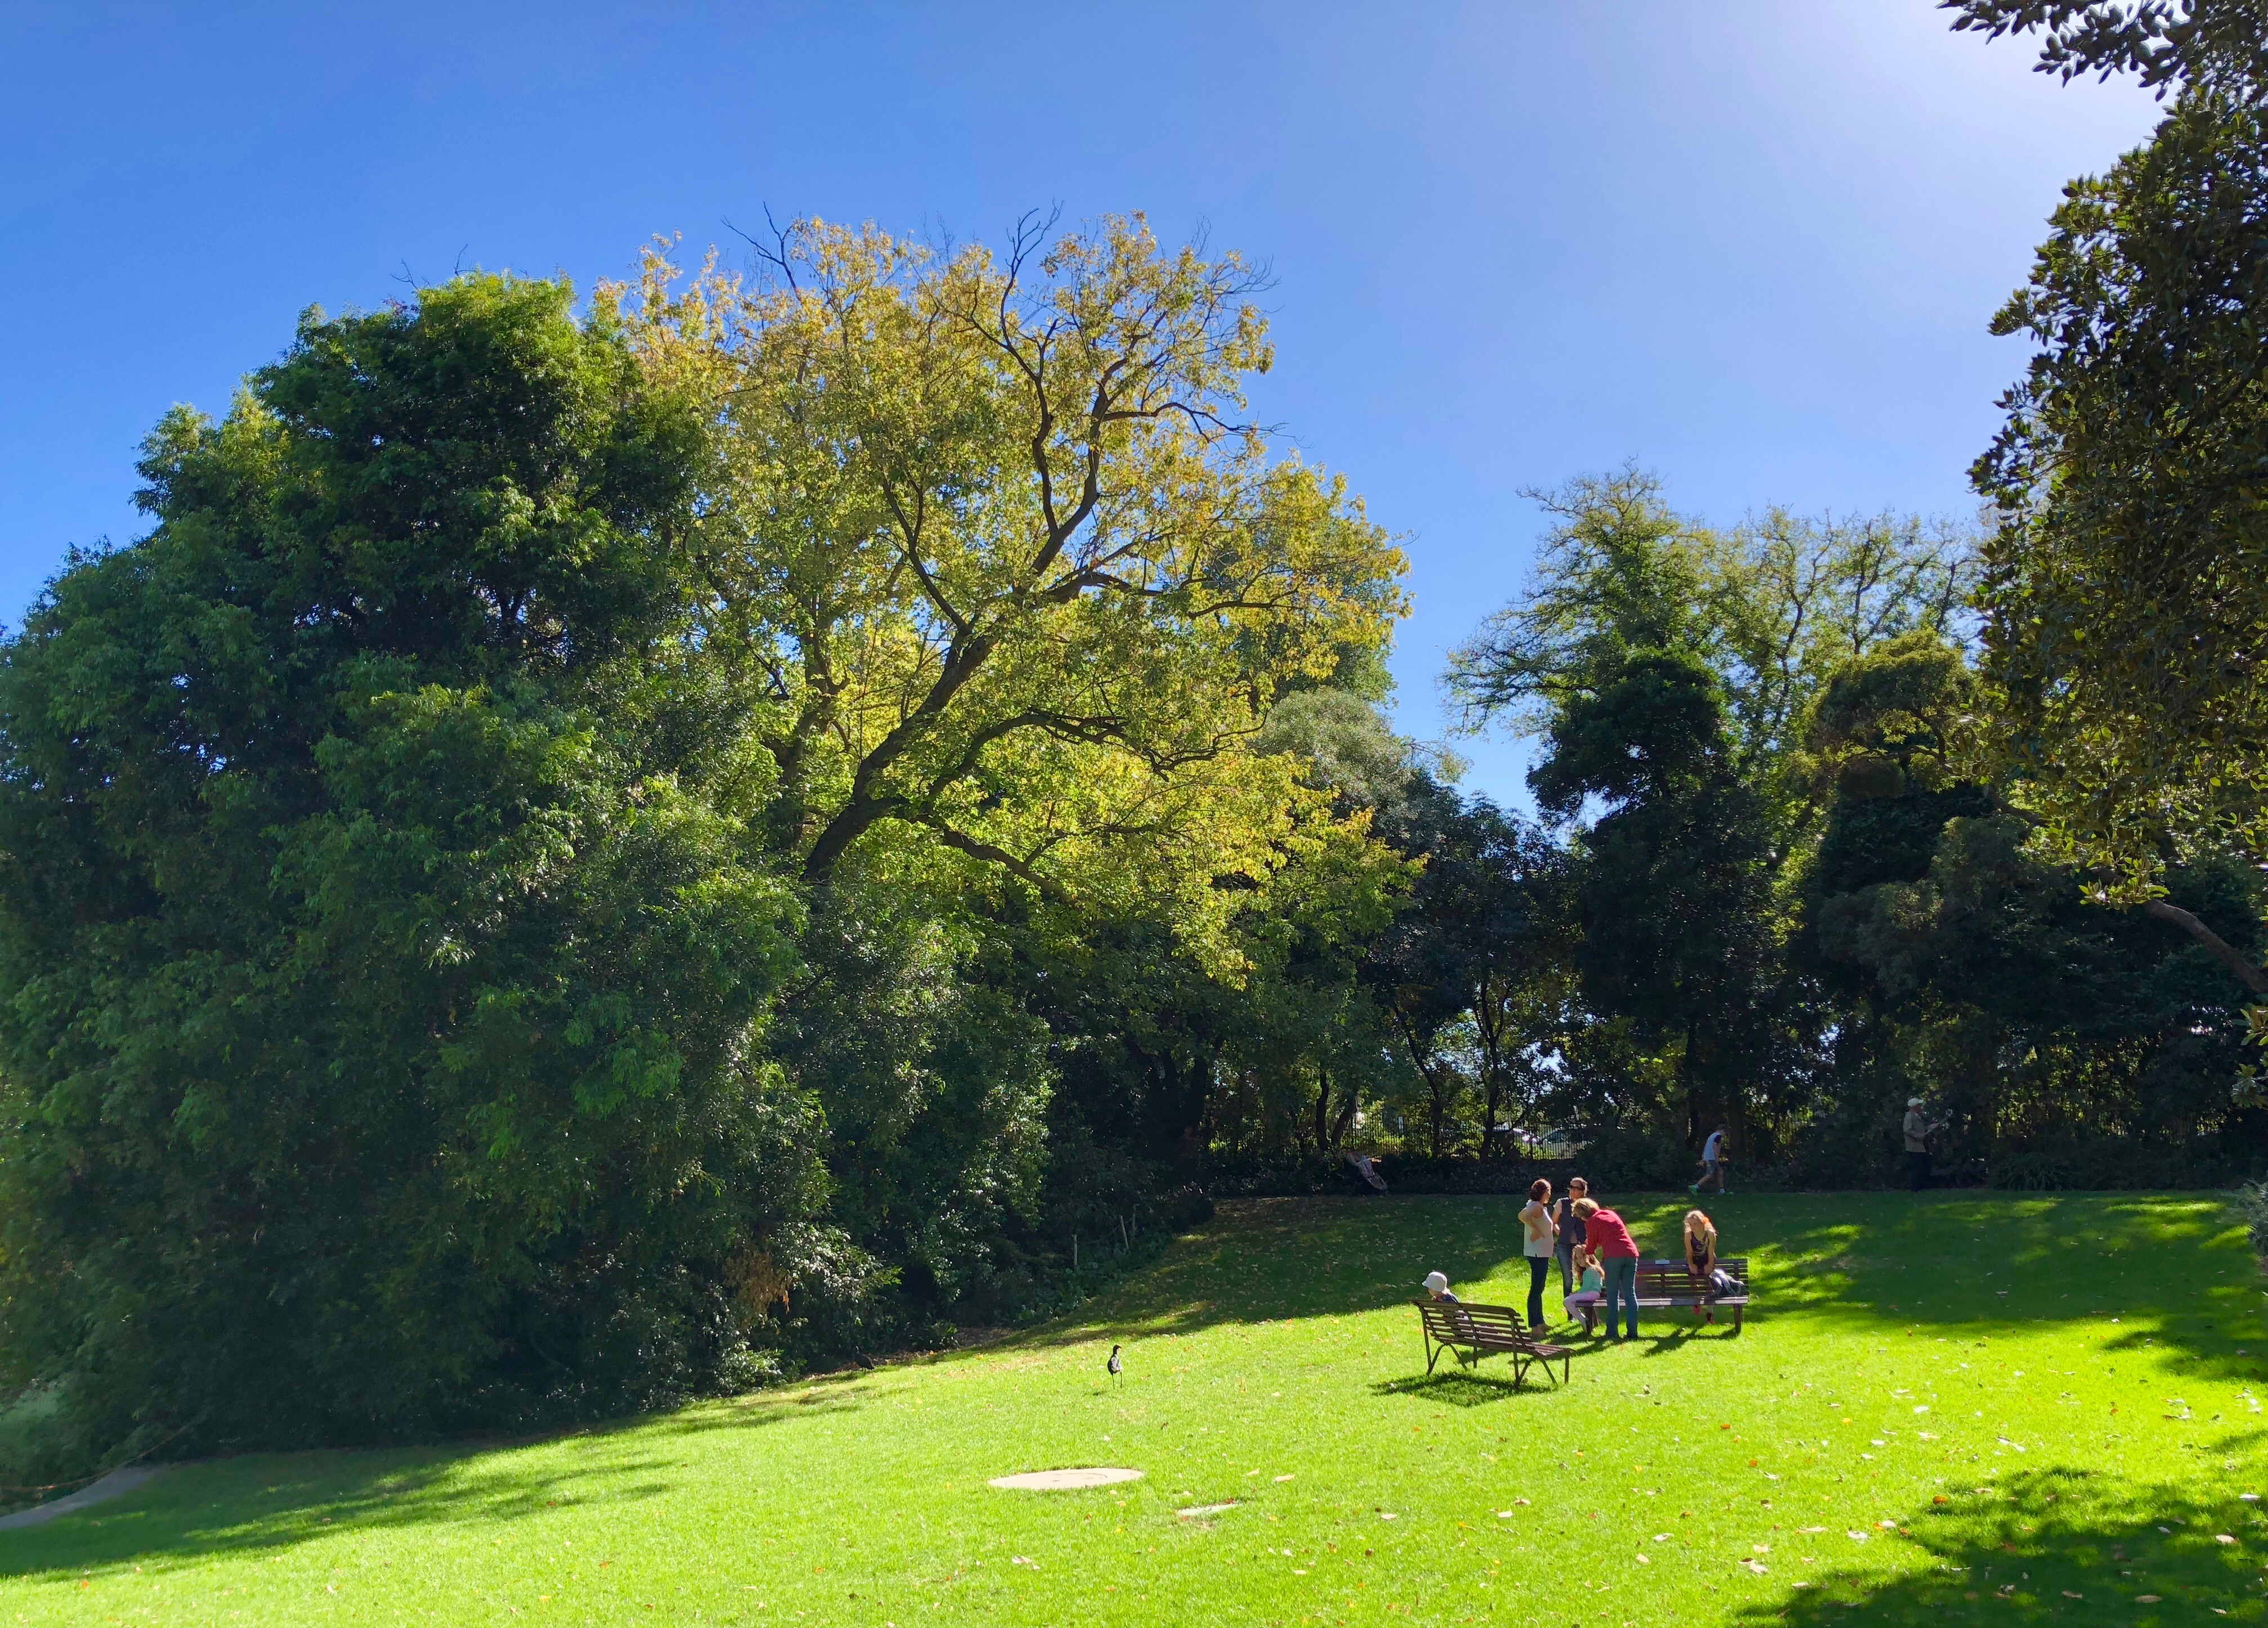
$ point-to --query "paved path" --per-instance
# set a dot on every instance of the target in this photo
(110, 1486)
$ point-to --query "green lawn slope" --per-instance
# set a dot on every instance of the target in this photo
(1952, 1409)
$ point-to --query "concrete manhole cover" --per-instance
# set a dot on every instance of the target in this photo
(1064, 1480)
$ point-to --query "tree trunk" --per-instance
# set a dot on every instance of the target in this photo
(1488, 1120)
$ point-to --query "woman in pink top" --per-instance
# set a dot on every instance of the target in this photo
(1617, 1256)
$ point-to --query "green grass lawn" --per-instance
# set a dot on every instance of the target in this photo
(1953, 1409)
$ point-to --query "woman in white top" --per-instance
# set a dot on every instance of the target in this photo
(1536, 1218)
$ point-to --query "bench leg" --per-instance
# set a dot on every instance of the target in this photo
(1432, 1354)
(1737, 1310)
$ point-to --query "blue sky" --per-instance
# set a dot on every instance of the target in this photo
(1752, 245)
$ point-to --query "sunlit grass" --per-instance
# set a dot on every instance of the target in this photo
(1948, 1410)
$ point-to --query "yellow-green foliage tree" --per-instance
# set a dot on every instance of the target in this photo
(1016, 579)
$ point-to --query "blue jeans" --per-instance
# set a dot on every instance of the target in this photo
(1622, 1285)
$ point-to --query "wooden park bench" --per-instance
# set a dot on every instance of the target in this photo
(1662, 1284)
(1471, 1332)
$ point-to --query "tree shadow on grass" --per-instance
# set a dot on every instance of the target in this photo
(262, 1502)
(2060, 1545)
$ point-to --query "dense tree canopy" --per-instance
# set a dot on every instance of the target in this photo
(548, 867)
(592, 857)
(2128, 596)
(387, 950)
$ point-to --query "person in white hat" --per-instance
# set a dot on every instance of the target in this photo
(1919, 1130)
(1438, 1287)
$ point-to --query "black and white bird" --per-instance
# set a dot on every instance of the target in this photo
(1115, 1366)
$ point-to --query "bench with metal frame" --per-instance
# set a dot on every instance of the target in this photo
(1471, 1332)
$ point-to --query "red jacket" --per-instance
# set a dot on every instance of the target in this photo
(1606, 1235)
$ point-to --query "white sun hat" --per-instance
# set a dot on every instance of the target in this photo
(1436, 1282)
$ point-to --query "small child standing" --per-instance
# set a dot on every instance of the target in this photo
(1584, 1302)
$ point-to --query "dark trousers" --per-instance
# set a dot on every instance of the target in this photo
(1918, 1169)
(1622, 1287)
(1539, 1274)
(1566, 1254)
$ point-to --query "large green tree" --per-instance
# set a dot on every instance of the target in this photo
(386, 942)
(1670, 670)
(2066, 1041)
(2128, 593)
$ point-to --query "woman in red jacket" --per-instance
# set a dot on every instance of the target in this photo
(1611, 1241)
